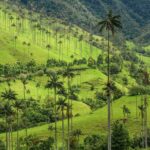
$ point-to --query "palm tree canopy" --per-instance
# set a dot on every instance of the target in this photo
(111, 23)
(6, 109)
(61, 103)
(48, 46)
(77, 132)
(9, 95)
(54, 82)
(62, 91)
(19, 104)
(68, 72)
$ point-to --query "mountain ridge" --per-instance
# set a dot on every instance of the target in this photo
(86, 13)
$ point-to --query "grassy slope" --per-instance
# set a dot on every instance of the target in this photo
(96, 122)
(89, 122)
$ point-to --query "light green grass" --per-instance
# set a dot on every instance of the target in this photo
(96, 122)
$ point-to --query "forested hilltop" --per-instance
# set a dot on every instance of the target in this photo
(135, 14)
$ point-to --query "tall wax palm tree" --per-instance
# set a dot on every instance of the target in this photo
(60, 46)
(11, 18)
(90, 44)
(142, 110)
(110, 24)
(37, 89)
(77, 133)
(146, 82)
(28, 44)
(24, 44)
(61, 106)
(6, 109)
(48, 47)
(68, 73)
(55, 84)
(25, 105)
(15, 39)
(9, 96)
(18, 105)
(24, 82)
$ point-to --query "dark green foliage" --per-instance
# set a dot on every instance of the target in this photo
(73, 143)
(46, 144)
(116, 92)
(35, 143)
(130, 56)
(137, 141)
(115, 68)
(100, 60)
(90, 10)
(30, 67)
(125, 80)
(94, 104)
(56, 63)
(101, 96)
(117, 59)
(2, 145)
(94, 142)
(79, 61)
(138, 90)
(74, 91)
(120, 137)
(91, 62)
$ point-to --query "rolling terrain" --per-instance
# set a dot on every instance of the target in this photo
(26, 37)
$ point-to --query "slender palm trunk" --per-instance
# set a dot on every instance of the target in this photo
(145, 123)
(48, 54)
(71, 128)
(24, 91)
(55, 91)
(109, 100)
(136, 107)
(63, 134)
(6, 132)
(143, 141)
(9, 138)
(26, 133)
(17, 129)
(142, 121)
(79, 141)
(12, 142)
(68, 115)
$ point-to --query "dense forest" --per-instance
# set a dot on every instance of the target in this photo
(74, 75)
(85, 13)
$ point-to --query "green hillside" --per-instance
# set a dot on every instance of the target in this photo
(95, 122)
(86, 12)
(34, 50)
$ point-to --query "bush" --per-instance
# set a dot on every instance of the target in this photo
(130, 56)
(2, 145)
(120, 137)
(79, 61)
(116, 92)
(35, 143)
(95, 142)
(100, 60)
(138, 141)
(91, 62)
(94, 104)
(136, 90)
(125, 80)
(115, 68)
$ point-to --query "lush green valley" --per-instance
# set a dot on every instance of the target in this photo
(54, 87)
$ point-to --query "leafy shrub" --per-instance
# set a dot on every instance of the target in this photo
(120, 137)
(95, 142)
(115, 68)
